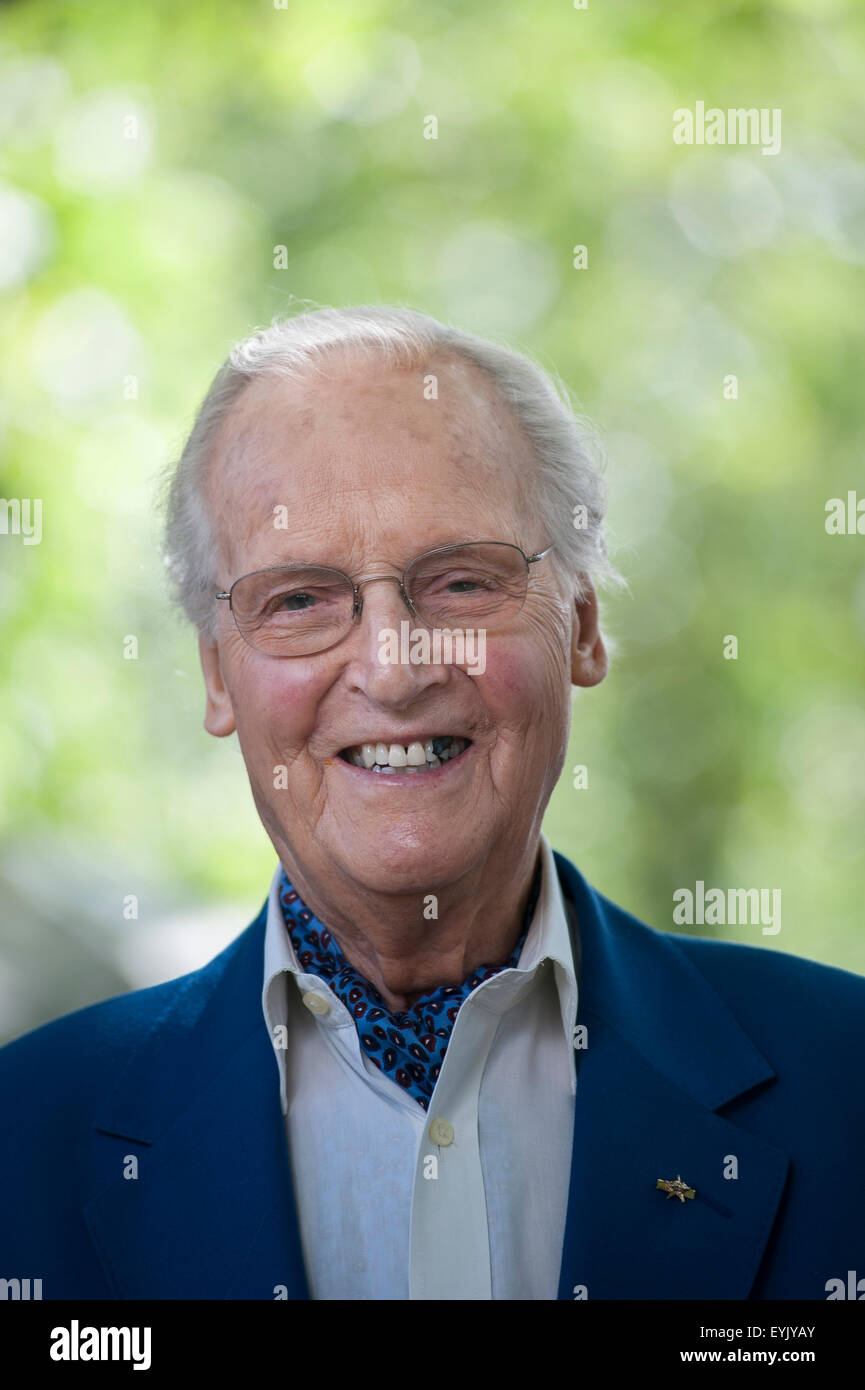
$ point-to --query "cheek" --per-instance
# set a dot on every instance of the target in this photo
(522, 678)
(279, 703)
(510, 684)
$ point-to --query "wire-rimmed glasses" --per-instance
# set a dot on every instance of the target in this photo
(300, 609)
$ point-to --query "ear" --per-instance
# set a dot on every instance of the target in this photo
(588, 653)
(218, 715)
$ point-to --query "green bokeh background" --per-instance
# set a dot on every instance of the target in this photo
(151, 159)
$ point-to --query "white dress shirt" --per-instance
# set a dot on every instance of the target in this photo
(467, 1200)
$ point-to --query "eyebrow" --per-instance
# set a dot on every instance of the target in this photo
(282, 563)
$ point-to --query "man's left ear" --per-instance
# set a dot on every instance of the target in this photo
(588, 653)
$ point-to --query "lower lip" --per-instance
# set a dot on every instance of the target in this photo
(407, 779)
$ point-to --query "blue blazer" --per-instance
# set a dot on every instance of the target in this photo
(703, 1058)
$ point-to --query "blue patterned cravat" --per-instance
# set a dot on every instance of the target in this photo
(408, 1047)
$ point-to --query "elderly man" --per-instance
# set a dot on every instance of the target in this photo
(438, 1065)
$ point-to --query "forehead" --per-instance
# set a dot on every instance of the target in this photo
(362, 451)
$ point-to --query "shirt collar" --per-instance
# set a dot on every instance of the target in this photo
(548, 940)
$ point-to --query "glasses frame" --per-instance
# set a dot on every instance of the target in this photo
(357, 602)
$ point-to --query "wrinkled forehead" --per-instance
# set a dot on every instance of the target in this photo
(432, 437)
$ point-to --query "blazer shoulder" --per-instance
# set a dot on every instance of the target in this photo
(796, 978)
(805, 1019)
(793, 1008)
(776, 980)
(801, 1015)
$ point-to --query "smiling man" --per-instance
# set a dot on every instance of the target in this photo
(438, 1065)
(380, 475)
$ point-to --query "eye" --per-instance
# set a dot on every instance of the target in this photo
(290, 601)
(470, 582)
(296, 603)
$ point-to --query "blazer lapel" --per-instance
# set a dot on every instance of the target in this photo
(663, 1054)
(211, 1213)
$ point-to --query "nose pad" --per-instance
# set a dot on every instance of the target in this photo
(407, 601)
(357, 612)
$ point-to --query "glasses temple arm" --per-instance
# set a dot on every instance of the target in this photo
(540, 554)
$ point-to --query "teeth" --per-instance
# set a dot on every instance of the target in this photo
(412, 757)
(455, 747)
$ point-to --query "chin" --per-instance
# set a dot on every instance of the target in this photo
(391, 865)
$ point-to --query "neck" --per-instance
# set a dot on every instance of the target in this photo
(394, 942)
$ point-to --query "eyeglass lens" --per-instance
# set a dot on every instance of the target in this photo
(301, 609)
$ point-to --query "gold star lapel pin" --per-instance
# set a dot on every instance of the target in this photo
(675, 1188)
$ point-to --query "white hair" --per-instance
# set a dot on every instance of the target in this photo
(569, 492)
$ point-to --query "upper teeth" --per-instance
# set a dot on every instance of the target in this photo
(417, 756)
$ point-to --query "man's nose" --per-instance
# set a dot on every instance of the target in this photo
(379, 637)
(381, 610)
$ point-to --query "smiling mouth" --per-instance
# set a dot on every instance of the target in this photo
(406, 757)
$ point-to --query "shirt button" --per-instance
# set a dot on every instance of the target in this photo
(316, 1003)
(441, 1133)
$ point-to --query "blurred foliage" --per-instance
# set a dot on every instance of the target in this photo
(152, 157)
